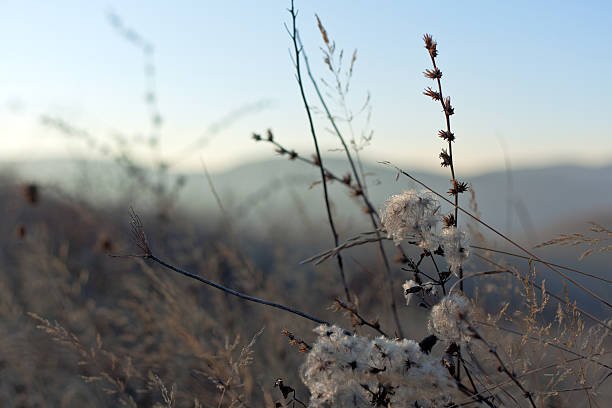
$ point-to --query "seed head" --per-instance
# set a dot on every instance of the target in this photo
(435, 95)
(449, 319)
(433, 73)
(446, 159)
(431, 45)
(446, 135)
(448, 108)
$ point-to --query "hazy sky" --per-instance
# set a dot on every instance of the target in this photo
(531, 76)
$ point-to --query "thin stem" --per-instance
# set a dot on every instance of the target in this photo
(526, 373)
(361, 190)
(477, 395)
(447, 114)
(544, 262)
(547, 342)
(297, 51)
(552, 295)
(503, 367)
(493, 272)
(234, 292)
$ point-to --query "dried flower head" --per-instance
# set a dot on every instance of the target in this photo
(448, 108)
(348, 370)
(412, 215)
(435, 95)
(446, 159)
(449, 319)
(446, 135)
(433, 73)
(458, 187)
(431, 45)
(454, 242)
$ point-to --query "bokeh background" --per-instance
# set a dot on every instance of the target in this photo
(152, 105)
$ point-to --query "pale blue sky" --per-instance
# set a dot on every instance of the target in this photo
(533, 74)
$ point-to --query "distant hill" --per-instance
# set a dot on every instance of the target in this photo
(523, 202)
(277, 198)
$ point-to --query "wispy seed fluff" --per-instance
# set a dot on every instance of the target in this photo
(454, 242)
(344, 370)
(412, 215)
(449, 319)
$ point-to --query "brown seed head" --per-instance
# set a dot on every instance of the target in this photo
(270, 135)
(433, 73)
(431, 45)
(435, 95)
(446, 135)
(449, 220)
(448, 109)
(458, 188)
(256, 137)
(446, 159)
(322, 30)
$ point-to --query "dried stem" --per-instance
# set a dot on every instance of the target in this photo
(552, 295)
(542, 261)
(502, 366)
(547, 342)
(297, 50)
(448, 110)
(371, 211)
(232, 291)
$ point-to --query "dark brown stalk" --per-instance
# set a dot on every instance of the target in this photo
(448, 111)
(297, 50)
(371, 211)
(509, 240)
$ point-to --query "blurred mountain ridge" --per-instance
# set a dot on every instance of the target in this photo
(522, 201)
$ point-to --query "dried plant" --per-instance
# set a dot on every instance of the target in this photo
(508, 338)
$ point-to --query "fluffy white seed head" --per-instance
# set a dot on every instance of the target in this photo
(454, 242)
(449, 319)
(412, 216)
(347, 370)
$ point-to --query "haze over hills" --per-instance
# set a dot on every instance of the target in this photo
(523, 201)
(278, 196)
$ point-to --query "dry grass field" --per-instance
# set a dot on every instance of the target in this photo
(140, 303)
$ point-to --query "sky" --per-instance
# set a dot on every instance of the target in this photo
(529, 80)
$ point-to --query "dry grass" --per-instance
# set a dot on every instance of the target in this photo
(82, 328)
